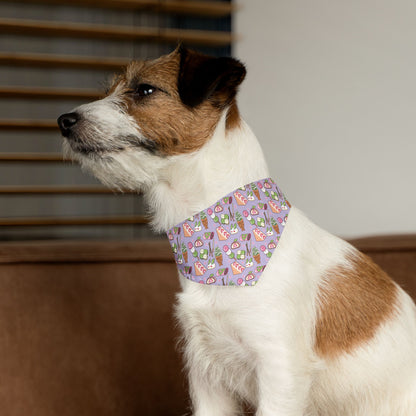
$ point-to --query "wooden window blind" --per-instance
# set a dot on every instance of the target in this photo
(55, 55)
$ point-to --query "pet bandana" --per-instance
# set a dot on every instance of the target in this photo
(230, 243)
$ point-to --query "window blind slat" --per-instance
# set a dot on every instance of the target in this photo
(59, 61)
(49, 93)
(60, 190)
(193, 7)
(28, 125)
(95, 31)
(69, 221)
(32, 157)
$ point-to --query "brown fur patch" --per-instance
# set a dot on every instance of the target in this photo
(163, 119)
(233, 116)
(353, 302)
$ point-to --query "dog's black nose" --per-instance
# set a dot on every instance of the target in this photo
(66, 122)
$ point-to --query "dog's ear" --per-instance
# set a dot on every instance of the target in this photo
(204, 77)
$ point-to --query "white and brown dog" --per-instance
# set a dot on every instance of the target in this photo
(325, 331)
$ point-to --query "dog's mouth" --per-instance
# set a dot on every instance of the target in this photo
(141, 143)
(86, 148)
(81, 144)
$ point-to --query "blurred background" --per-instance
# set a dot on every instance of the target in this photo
(55, 55)
(330, 93)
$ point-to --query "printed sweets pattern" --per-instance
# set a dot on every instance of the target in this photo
(230, 243)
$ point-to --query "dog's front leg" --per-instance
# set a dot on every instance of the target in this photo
(209, 399)
(283, 384)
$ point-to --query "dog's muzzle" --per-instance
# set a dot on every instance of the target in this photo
(66, 123)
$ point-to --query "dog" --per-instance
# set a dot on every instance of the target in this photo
(324, 331)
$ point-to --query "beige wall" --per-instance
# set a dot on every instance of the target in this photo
(331, 95)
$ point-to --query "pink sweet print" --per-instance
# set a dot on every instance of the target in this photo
(222, 233)
(192, 248)
(259, 235)
(228, 252)
(210, 212)
(235, 244)
(187, 230)
(230, 242)
(237, 268)
(274, 207)
(248, 216)
(272, 245)
(218, 208)
(265, 251)
(199, 268)
(240, 198)
(282, 221)
(250, 276)
(211, 280)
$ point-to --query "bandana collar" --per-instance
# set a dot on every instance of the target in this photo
(231, 242)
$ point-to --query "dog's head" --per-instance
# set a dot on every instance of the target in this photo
(153, 111)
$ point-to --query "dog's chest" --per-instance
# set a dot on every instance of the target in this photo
(215, 339)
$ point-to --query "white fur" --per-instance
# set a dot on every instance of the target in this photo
(257, 344)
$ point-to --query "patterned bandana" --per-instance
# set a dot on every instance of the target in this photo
(230, 243)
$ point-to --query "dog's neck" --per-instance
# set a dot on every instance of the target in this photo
(190, 183)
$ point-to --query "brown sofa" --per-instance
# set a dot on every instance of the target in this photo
(86, 328)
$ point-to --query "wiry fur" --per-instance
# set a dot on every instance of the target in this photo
(259, 344)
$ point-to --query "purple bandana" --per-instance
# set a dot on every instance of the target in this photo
(230, 243)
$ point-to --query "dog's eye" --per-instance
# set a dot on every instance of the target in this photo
(144, 90)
